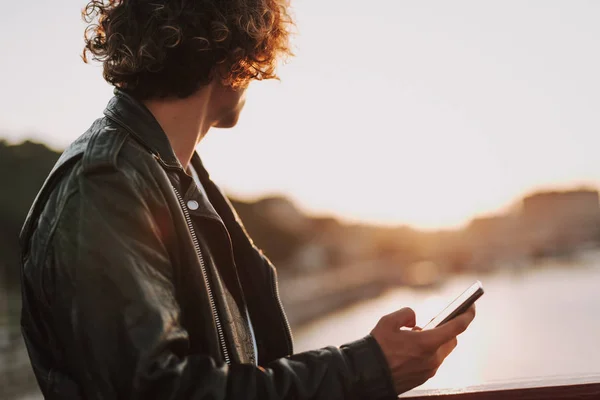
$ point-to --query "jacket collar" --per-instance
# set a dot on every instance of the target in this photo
(139, 121)
(132, 115)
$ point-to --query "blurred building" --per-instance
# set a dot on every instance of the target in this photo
(554, 223)
(493, 242)
(331, 244)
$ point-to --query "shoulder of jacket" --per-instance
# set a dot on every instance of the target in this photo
(102, 149)
(111, 148)
(104, 144)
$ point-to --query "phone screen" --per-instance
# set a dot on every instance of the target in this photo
(458, 306)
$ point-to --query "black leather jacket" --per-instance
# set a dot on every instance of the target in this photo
(118, 302)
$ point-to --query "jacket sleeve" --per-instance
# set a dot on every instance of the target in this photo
(120, 320)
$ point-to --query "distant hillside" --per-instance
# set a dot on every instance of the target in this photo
(23, 169)
(275, 225)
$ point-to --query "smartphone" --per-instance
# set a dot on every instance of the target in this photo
(458, 306)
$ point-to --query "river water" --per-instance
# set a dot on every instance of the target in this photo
(540, 323)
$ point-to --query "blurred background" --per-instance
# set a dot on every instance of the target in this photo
(410, 148)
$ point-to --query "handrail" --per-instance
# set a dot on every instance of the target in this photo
(555, 388)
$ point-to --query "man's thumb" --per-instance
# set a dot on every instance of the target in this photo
(403, 317)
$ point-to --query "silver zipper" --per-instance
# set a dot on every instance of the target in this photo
(286, 323)
(211, 298)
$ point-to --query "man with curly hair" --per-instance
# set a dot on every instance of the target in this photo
(139, 281)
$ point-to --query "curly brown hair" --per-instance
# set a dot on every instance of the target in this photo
(163, 48)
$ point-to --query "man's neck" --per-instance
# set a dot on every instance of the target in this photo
(184, 121)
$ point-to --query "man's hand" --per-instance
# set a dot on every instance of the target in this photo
(414, 356)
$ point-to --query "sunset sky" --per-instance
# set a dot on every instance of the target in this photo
(417, 112)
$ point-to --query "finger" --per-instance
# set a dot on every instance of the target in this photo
(458, 325)
(437, 336)
(417, 328)
(403, 317)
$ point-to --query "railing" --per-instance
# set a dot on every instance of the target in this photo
(577, 388)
